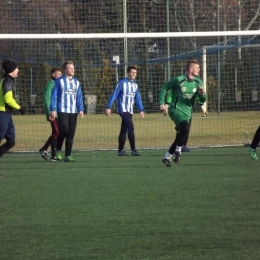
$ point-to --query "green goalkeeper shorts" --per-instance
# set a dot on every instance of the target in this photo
(177, 117)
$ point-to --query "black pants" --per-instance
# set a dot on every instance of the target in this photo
(181, 138)
(127, 127)
(67, 128)
(256, 139)
(52, 140)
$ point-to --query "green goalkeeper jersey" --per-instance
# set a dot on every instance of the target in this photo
(182, 93)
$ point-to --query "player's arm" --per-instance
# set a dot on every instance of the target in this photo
(163, 93)
(112, 98)
(47, 97)
(139, 103)
(53, 103)
(168, 102)
(204, 110)
(79, 102)
(201, 96)
(9, 99)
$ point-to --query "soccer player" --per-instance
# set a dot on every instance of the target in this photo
(254, 144)
(67, 100)
(185, 89)
(127, 93)
(52, 140)
(7, 104)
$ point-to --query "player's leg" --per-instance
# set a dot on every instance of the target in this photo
(185, 148)
(254, 144)
(7, 131)
(122, 135)
(176, 147)
(44, 150)
(63, 121)
(70, 137)
(4, 148)
(182, 128)
(53, 138)
(127, 117)
(167, 157)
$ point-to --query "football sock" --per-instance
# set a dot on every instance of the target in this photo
(178, 149)
(168, 155)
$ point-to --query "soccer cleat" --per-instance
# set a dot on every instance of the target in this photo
(185, 149)
(69, 159)
(122, 153)
(59, 156)
(0, 176)
(135, 152)
(43, 154)
(167, 162)
(177, 157)
(252, 153)
(54, 159)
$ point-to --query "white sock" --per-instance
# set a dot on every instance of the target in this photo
(178, 149)
(168, 155)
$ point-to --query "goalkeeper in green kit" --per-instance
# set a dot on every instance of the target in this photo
(185, 89)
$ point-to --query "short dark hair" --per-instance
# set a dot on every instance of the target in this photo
(189, 62)
(64, 66)
(132, 67)
(55, 69)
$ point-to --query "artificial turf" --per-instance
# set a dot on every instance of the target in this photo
(109, 207)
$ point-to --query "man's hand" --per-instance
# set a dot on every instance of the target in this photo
(164, 109)
(201, 91)
(53, 114)
(204, 110)
(22, 110)
(142, 114)
(108, 112)
(81, 114)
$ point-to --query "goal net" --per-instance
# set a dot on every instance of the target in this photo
(230, 69)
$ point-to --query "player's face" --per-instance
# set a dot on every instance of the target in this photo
(195, 70)
(14, 74)
(132, 74)
(57, 74)
(69, 71)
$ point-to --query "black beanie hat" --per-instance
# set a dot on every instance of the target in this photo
(9, 66)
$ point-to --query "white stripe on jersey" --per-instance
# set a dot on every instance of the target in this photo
(69, 89)
(128, 96)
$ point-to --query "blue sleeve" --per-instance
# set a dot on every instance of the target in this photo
(114, 95)
(79, 100)
(53, 104)
(138, 101)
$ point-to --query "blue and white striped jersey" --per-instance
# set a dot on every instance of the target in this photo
(127, 94)
(66, 96)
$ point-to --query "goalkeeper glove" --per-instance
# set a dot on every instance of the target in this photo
(22, 110)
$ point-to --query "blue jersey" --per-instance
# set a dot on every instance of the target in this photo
(127, 94)
(66, 96)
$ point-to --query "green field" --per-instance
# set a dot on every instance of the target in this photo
(109, 207)
(96, 132)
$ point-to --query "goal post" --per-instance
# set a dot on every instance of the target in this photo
(232, 87)
(204, 69)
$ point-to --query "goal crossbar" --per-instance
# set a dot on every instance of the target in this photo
(127, 35)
